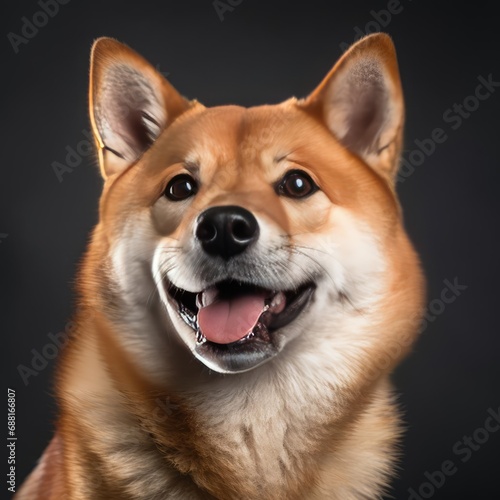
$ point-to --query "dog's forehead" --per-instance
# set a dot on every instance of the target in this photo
(228, 133)
(238, 122)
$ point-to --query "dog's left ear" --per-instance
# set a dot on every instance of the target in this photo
(361, 102)
(130, 104)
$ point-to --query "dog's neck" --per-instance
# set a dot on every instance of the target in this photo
(265, 436)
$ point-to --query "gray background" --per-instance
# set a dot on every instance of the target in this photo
(264, 52)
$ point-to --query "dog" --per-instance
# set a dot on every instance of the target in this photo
(246, 293)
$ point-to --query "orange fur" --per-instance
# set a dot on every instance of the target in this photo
(299, 426)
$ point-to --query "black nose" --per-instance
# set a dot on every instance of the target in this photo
(226, 231)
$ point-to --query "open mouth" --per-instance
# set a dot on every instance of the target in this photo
(234, 323)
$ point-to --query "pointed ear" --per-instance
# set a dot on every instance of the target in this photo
(130, 104)
(361, 102)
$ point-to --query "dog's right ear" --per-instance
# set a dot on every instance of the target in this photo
(130, 104)
(361, 103)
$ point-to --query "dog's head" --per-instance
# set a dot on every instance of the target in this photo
(268, 232)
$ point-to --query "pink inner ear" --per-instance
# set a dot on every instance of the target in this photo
(357, 105)
(129, 111)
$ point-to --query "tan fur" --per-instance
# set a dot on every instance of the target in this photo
(140, 418)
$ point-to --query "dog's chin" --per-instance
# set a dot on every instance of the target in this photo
(254, 340)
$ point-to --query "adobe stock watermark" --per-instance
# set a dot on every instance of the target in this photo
(164, 408)
(85, 147)
(448, 295)
(435, 307)
(40, 358)
(74, 155)
(464, 448)
(30, 27)
(163, 73)
(453, 117)
(380, 19)
(223, 6)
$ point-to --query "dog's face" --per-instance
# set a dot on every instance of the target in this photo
(268, 231)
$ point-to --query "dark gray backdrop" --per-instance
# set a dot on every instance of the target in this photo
(264, 52)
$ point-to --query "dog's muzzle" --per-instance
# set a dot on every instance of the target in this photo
(235, 323)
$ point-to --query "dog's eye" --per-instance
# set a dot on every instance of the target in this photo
(296, 184)
(181, 187)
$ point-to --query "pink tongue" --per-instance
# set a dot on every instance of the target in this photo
(229, 320)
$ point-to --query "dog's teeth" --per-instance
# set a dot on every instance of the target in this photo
(261, 331)
(188, 317)
(278, 303)
(248, 336)
(200, 338)
(199, 300)
(207, 297)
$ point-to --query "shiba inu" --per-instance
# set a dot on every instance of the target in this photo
(246, 293)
